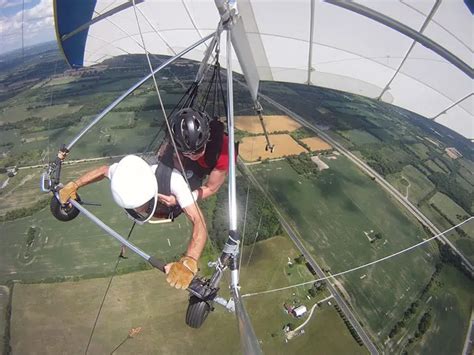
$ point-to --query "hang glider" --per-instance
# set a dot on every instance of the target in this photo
(414, 54)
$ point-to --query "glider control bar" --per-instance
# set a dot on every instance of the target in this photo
(203, 289)
(156, 263)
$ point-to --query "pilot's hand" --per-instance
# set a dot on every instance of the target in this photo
(167, 200)
(62, 154)
(67, 192)
(181, 273)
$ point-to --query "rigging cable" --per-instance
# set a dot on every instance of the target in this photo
(215, 83)
(361, 266)
(255, 240)
(245, 225)
(147, 54)
(245, 221)
(149, 153)
(105, 293)
(23, 31)
(215, 98)
(191, 89)
(48, 141)
(160, 99)
(147, 149)
(209, 87)
(155, 137)
(261, 214)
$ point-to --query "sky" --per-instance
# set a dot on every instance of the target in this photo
(37, 21)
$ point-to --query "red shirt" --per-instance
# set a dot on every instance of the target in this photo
(223, 160)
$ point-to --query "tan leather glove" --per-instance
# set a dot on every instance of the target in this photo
(67, 192)
(182, 272)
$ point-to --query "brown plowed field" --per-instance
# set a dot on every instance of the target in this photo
(273, 123)
(316, 144)
(253, 148)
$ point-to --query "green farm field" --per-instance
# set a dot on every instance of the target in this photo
(332, 213)
(143, 300)
(452, 210)
(420, 149)
(128, 129)
(23, 190)
(468, 164)
(119, 133)
(20, 112)
(4, 301)
(450, 302)
(416, 183)
(421, 191)
(467, 170)
(441, 164)
(79, 248)
(463, 182)
(115, 136)
(463, 243)
(59, 81)
(432, 165)
(450, 215)
(359, 137)
(268, 269)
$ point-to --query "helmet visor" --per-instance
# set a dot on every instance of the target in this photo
(143, 213)
(199, 151)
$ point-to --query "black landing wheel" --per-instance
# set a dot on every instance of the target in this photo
(197, 312)
(63, 213)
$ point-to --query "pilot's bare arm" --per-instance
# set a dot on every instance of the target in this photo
(199, 233)
(70, 189)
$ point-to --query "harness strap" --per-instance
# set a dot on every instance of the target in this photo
(163, 178)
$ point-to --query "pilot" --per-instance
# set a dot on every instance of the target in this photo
(135, 185)
(203, 148)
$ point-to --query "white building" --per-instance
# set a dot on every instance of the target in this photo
(300, 311)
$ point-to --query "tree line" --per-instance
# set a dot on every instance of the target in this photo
(261, 221)
(24, 211)
(411, 310)
(448, 185)
(303, 165)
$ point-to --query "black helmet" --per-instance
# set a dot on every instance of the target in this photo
(190, 129)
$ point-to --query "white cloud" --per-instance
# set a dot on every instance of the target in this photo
(10, 3)
(38, 25)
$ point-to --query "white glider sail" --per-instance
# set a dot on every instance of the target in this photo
(310, 42)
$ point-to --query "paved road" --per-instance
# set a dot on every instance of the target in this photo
(373, 174)
(342, 303)
(469, 342)
(334, 292)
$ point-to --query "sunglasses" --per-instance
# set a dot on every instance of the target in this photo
(143, 213)
(197, 152)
